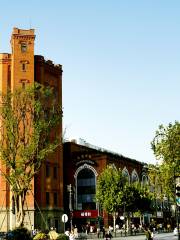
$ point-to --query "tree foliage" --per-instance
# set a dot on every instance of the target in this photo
(109, 191)
(115, 192)
(166, 147)
(137, 198)
(29, 125)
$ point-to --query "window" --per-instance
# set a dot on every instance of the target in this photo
(24, 67)
(55, 199)
(144, 180)
(23, 85)
(55, 172)
(47, 198)
(23, 47)
(134, 176)
(125, 173)
(86, 189)
(47, 171)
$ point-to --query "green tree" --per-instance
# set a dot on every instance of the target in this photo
(166, 147)
(137, 198)
(30, 125)
(109, 190)
(115, 192)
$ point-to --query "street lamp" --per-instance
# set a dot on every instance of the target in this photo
(69, 188)
(177, 196)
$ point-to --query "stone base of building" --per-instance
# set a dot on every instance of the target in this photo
(4, 220)
(8, 220)
(48, 218)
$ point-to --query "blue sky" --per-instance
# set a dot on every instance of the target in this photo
(121, 61)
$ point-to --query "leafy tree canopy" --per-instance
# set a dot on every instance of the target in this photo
(30, 121)
(115, 192)
(109, 191)
(166, 147)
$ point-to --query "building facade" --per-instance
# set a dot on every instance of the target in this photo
(20, 68)
(82, 165)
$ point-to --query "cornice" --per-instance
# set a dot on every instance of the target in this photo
(5, 61)
(24, 37)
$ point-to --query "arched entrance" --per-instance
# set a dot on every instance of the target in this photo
(85, 177)
(86, 211)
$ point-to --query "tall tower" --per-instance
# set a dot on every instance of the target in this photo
(22, 58)
(22, 74)
(16, 70)
(19, 69)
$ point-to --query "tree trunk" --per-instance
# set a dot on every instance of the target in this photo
(141, 219)
(19, 209)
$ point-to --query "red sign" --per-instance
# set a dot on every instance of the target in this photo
(85, 214)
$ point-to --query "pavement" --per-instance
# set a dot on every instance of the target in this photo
(157, 236)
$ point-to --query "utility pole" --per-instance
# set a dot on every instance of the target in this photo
(69, 187)
(177, 197)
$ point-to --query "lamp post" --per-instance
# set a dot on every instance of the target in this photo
(177, 197)
(124, 215)
(69, 187)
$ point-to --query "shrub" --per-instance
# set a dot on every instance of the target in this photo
(63, 236)
(41, 235)
(19, 234)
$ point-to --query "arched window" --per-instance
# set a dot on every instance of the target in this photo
(144, 180)
(134, 176)
(86, 189)
(125, 173)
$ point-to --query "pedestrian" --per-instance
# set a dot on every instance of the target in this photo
(148, 234)
(75, 232)
(98, 232)
(103, 232)
(67, 232)
(71, 236)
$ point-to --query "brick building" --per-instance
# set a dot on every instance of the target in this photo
(18, 69)
(82, 165)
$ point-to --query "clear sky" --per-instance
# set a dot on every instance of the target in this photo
(121, 63)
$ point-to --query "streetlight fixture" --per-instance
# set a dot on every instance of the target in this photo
(177, 196)
(69, 188)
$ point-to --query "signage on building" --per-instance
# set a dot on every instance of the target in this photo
(160, 214)
(84, 161)
(85, 214)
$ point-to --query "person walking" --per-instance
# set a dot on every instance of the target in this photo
(148, 234)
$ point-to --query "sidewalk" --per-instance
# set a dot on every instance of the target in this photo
(137, 237)
(118, 236)
(134, 237)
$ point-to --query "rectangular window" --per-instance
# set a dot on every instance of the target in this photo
(55, 199)
(47, 198)
(47, 171)
(55, 172)
(23, 85)
(23, 47)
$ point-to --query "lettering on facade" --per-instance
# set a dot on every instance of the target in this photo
(84, 161)
(85, 214)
